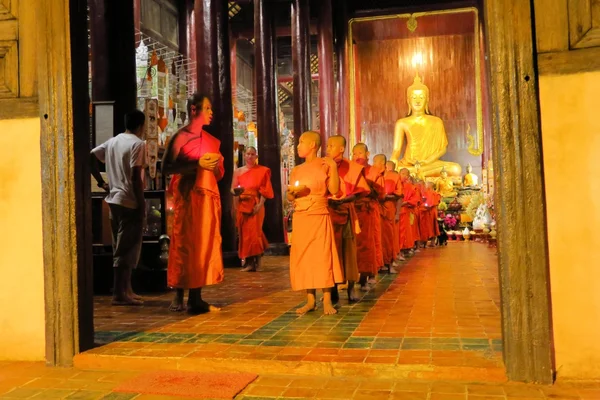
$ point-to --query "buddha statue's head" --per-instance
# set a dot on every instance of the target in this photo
(417, 97)
(417, 166)
(469, 168)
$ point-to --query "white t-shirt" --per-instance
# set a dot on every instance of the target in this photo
(121, 154)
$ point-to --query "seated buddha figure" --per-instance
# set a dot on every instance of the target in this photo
(470, 179)
(444, 185)
(424, 135)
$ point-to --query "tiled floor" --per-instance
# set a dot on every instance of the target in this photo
(34, 380)
(441, 311)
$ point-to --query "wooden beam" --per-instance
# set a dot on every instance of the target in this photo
(519, 195)
(569, 62)
(19, 108)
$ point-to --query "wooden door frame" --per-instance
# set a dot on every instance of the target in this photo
(517, 150)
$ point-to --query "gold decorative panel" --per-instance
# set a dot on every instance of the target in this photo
(584, 23)
(9, 69)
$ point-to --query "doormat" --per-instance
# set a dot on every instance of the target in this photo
(199, 385)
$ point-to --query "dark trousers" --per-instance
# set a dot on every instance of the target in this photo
(127, 232)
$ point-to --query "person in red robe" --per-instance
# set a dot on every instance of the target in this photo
(252, 183)
(407, 216)
(390, 239)
(433, 201)
(353, 185)
(386, 213)
(314, 260)
(417, 212)
(368, 242)
(193, 158)
(390, 166)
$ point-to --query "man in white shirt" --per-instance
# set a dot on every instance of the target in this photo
(124, 156)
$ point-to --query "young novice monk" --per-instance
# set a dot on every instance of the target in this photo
(386, 220)
(389, 228)
(368, 242)
(252, 183)
(407, 216)
(314, 261)
(353, 185)
(428, 220)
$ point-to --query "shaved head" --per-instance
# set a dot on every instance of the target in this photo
(380, 158)
(360, 146)
(312, 136)
(339, 140)
(390, 166)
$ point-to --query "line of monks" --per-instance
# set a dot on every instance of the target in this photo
(351, 219)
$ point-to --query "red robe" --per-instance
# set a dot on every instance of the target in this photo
(426, 221)
(314, 260)
(367, 209)
(377, 182)
(407, 217)
(195, 258)
(417, 214)
(256, 182)
(344, 217)
(389, 231)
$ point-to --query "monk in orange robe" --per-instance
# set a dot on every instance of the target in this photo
(389, 227)
(314, 260)
(417, 212)
(386, 214)
(193, 158)
(353, 185)
(390, 166)
(426, 221)
(252, 183)
(433, 201)
(368, 242)
(407, 216)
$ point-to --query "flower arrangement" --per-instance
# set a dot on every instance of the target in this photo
(442, 206)
(450, 222)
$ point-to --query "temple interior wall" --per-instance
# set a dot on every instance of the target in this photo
(571, 145)
(22, 330)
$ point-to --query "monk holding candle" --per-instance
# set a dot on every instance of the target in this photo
(252, 183)
(314, 261)
(389, 228)
(193, 158)
(368, 242)
(353, 185)
(428, 218)
(407, 216)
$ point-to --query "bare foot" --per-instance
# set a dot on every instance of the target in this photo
(364, 288)
(372, 281)
(249, 268)
(308, 307)
(328, 308)
(126, 301)
(352, 297)
(393, 270)
(177, 303)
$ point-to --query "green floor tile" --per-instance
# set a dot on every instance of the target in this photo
(84, 395)
(120, 396)
(250, 342)
(475, 347)
(281, 343)
(359, 345)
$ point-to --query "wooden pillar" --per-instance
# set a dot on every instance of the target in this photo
(187, 29)
(343, 78)
(214, 79)
(301, 67)
(266, 116)
(233, 60)
(113, 56)
(326, 82)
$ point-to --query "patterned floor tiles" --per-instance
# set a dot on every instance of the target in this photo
(441, 310)
(36, 381)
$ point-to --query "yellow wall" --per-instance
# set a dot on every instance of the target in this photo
(570, 108)
(21, 262)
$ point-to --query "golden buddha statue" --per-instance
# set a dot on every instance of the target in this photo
(444, 185)
(470, 179)
(426, 139)
(416, 173)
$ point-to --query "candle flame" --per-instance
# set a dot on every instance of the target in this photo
(297, 183)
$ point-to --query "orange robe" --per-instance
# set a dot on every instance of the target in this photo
(377, 182)
(314, 260)
(436, 198)
(417, 215)
(407, 217)
(195, 258)
(344, 217)
(426, 221)
(389, 236)
(256, 182)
